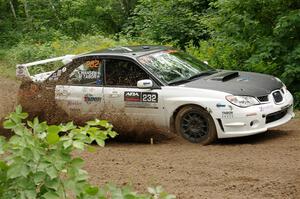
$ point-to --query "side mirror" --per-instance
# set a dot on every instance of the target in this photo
(145, 83)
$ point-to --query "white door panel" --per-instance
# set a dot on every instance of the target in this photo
(79, 101)
(139, 105)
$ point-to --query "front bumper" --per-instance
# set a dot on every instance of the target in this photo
(237, 122)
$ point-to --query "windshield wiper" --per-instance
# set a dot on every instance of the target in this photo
(180, 82)
(209, 72)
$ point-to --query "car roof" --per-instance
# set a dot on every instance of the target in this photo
(129, 51)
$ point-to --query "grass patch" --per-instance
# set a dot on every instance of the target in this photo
(7, 70)
(297, 114)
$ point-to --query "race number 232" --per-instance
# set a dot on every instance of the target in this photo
(150, 97)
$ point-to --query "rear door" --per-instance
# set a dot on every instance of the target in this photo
(81, 93)
(127, 103)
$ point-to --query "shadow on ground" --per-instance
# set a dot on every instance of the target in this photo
(270, 135)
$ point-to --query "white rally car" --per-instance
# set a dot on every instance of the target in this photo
(156, 87)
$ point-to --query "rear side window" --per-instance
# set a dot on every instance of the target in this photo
(87, 73)
(123, 73)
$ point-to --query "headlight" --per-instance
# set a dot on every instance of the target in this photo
(278, 80)
(242, 101)
(284, 88)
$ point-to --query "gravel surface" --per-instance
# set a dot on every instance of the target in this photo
(262, 166)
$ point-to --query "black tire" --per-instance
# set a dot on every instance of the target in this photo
(196, 125)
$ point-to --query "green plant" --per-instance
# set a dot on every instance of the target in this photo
(177, 21)
(37, 161)
(29, 51)
(255, 35)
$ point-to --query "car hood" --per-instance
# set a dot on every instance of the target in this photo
(238, 83)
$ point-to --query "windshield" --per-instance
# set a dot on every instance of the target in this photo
(172, 66)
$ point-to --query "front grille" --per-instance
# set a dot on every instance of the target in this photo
(276, 116)
(277, 96)
(263, 98)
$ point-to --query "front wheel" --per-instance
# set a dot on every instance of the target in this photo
(195, 125)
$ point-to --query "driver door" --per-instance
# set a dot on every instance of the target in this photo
(124, 101)
(81, 94)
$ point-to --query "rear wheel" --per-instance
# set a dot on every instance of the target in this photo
(195, 125)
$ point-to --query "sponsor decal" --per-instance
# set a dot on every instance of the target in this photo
(141, 105)
(75, 110)
(220, 105)
(73, 103)
(93, 64)
(227, 114)
(132, 96)
(89, 75)
(141, 99)
(89, 98)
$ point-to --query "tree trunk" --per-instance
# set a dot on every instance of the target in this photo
(26, 9)
(55, 13)
(13, 9)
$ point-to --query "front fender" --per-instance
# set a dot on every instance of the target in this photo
(175, 103)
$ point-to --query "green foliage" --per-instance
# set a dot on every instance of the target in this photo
(176, 21)
(255, 35)
(29, 50)
(38, 161)
(252, 35)
(49, 20)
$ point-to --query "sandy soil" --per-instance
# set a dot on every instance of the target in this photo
(8, 95)
(261, 166)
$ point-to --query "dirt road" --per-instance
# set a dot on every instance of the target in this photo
(262, 166)
(8, 95)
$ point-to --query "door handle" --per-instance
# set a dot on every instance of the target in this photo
(65, 93)
(115, 94)
(49, 88)
(62, 93)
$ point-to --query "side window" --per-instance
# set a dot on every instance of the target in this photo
(87, 73)
(123, 73)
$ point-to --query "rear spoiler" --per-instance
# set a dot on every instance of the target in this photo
(22, 69)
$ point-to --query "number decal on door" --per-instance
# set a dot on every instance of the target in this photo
(150, 97)
(132, 96)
